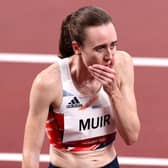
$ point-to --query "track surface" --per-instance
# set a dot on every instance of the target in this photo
(33, 27)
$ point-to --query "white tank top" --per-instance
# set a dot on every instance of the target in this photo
(85, 120)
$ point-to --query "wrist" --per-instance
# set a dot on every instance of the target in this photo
(115, 95)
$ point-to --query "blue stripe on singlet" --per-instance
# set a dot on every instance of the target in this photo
(104, 144)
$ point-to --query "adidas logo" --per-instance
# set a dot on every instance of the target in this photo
(74, 103)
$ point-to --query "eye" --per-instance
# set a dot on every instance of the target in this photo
(113, 44)
(100, 48)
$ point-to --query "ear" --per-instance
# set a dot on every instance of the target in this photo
(76, 47)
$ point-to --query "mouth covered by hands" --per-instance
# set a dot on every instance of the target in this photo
(106, 75)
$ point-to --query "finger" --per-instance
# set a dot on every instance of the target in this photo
(102, 73)
(99, 80)
(103, 79)
(103, 68)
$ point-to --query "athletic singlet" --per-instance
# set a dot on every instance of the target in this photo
(82, 123)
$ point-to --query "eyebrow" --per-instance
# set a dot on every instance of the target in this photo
(114, 43)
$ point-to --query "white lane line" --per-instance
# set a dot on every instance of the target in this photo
(150, 62)
(143, 161)
(28, 58)
(50, 58)
(17, 157)
(136, 161)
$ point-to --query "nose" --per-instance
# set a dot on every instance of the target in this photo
(109, 54)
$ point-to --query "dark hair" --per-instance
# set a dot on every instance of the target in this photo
(74, 25)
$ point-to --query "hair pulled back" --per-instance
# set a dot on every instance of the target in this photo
(74, 25)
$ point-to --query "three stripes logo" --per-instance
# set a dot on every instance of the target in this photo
(74, 103)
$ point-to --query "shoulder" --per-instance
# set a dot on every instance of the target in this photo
(47, 83)
(124, 67)
(48, 77)
(123, 62)
(123, 58)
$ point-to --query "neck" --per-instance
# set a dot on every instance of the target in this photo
(82, 78)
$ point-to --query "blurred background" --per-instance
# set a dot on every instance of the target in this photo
(31, 29)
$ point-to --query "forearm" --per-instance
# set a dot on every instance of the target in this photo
(126, 118)
(118, 83)
(30, 160)
(33, 140)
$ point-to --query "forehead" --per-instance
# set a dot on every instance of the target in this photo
(103, 34)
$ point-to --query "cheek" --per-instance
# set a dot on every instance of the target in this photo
(89, 58)
(95, 59)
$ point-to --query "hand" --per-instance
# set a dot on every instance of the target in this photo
(105, 75)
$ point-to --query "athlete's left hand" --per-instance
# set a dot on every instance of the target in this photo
(107, 76)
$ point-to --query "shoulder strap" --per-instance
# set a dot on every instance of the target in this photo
(64, 68)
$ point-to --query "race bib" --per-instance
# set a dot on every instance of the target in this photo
(86, 124)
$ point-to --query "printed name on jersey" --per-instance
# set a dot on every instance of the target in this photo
(93, 123)
(87, 124)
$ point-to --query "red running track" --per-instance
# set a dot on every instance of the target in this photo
(33, 27)
(150, 87)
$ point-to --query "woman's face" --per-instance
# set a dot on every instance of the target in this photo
(100, 45)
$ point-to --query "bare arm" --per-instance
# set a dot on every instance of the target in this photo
(124, 101)
(120, 88)
(41, 97)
